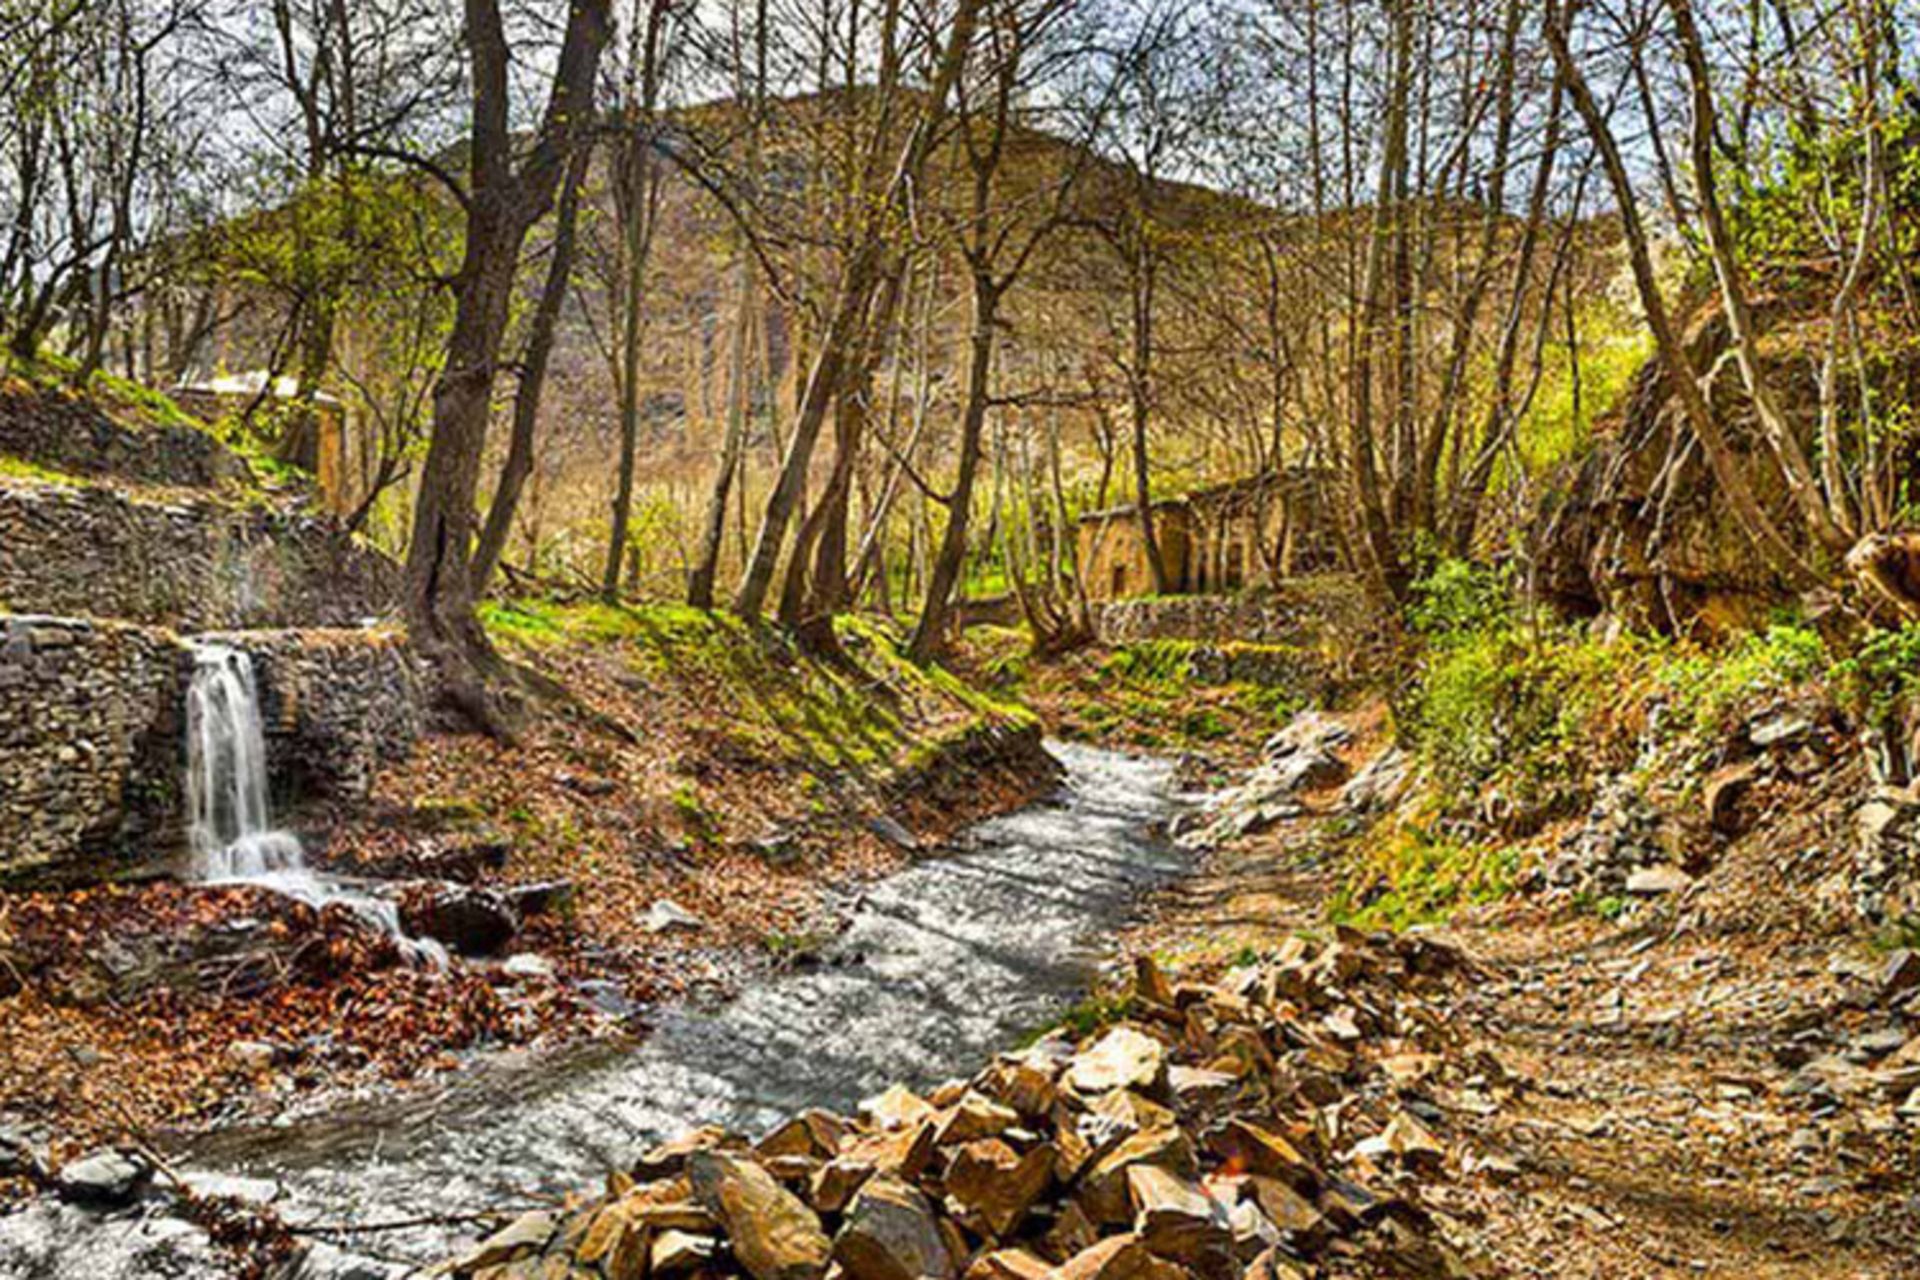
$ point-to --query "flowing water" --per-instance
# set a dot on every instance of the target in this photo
(942, 965)
(230, 818)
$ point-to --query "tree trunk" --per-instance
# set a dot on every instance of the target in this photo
(713, 533)
(929, 634)
(533, 376)
(1682, 380)
(504, 203)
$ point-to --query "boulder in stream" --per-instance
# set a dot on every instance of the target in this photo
(107, 1179)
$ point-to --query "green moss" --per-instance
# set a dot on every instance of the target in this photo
(1096, 1013)
(20, 469)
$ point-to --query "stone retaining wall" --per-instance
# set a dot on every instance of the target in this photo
(1324, 623)
(92, 732)
(1298, 613)
(72, 434)
(196, 564)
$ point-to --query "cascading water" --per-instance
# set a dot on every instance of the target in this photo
(230, 820)
(231, 824)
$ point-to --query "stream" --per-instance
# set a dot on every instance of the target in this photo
(942, 965)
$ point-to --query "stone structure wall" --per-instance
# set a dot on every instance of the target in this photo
(1312, 631)
(92, 734)
(196, 564)
(69, 433)
(1305, 611)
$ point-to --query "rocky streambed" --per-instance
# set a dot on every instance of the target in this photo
(943, 964)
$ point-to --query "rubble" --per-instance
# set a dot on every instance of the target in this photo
(1277, 1126)
(1301, 757)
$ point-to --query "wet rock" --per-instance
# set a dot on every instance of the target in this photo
(774, 1235)
(890, 1234)
(470, 921)
(668, 916)
(107, 1178)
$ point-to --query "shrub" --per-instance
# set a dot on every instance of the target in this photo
(1882, 676)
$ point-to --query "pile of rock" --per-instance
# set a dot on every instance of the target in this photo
(1301, 757)
(1620, 839)
(1886, 859)
(1279, 1126)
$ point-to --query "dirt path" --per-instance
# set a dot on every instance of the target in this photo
(1662, 1128)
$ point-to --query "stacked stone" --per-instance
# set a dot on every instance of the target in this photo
(1620, 836)
(193, 562)
(1273, 1127)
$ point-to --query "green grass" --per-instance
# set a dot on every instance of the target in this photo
(1408, 875)
(866, 713)
(20, 469)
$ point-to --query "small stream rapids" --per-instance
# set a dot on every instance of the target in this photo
(230, 818)
(942, 965)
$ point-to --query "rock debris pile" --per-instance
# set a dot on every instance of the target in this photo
(1280, 1126)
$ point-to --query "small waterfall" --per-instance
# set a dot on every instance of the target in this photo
(231, 824)
(230, 819)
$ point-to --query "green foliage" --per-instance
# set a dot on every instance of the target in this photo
(1458, 600)
(1098, 1012)
(1882, 676)
(700, 822)
(1410, 875)
(869, 712)
(21, 469)
(1705, 687)
(1608, 907)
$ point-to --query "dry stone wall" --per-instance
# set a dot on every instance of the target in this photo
(68, 433)
(196, 564)
(92, 733)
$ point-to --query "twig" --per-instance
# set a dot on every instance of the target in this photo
(401, 1224)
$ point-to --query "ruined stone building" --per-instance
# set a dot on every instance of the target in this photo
(1213, 541)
